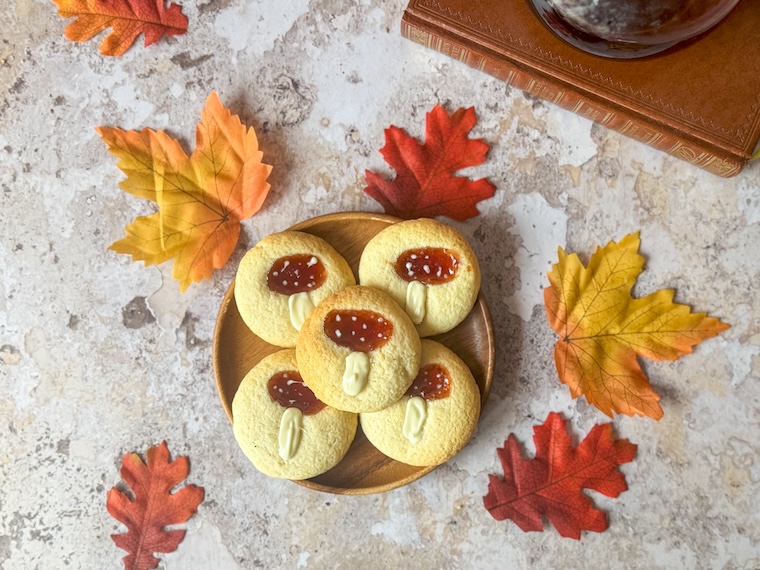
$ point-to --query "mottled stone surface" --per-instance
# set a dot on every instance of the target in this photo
(100, 356)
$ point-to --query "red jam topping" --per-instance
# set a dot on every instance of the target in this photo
(360, 331)
(432, 383)
(428, 265)
(287, 389)
(296, 274)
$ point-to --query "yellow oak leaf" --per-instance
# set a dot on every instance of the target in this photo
(201, 198)
(603, 329)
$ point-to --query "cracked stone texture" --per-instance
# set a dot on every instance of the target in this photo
(100, 356)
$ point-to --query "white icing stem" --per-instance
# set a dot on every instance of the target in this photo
(414, 420)
(300, 306)
(416, 297)
(356, 373)
(289, 437)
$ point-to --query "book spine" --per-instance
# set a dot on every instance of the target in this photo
(695, 152)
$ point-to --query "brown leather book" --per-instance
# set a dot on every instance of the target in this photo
(699, 101)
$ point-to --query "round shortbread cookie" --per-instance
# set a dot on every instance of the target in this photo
(428, 268)
(447, 423)
(259, 422)
(389, 347)
(285, 262)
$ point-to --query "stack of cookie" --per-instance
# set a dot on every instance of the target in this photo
(358, 352)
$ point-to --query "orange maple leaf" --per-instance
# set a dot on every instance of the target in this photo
(201, 198)
(127, 18)
(154, 507)
(603, 328)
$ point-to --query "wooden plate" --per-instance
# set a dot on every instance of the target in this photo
(364, 469)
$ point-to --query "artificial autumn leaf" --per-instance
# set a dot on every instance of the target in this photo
(201, 198)
(127, 19)
(425, 184)
(551, 484)
(603, 328)
(153, 507)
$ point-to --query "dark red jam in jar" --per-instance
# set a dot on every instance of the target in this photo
(432, 383)
(296, 274)
(428, 265)
(288, 389)
(627, 29)
(359, 331)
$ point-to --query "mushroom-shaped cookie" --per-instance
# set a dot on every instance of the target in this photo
(437, 416)
(358, 350)
(428, 268)
(282, 278)
(282, 427)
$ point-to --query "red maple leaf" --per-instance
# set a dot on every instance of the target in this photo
(425, 185)
(154, 507)
(551, 484)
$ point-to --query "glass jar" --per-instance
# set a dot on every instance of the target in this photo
(630, 28)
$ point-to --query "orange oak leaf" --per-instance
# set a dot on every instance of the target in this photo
(425, 184)
(127, 19)
(154, 506)
(201, 198)
(603, 329)
(551, 484)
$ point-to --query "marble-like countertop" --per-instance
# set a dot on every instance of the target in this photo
(100, 356)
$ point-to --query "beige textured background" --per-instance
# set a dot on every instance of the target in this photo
(100, 356)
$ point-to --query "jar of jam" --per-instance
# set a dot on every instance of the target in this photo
(630, 28)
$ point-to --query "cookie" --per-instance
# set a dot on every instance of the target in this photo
(282, 427)
(437, 416)
(428, 268)
(358, 351)
(282, 278)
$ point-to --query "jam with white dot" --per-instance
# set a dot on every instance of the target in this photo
(296, 274)
(428, 265)
(358, 330)
(287, 388)
(432, 383)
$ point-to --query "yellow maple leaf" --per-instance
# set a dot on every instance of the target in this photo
(201, 198)
(603, 329)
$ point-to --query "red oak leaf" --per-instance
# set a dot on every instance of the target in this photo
(154, 507)
(551, 484)
(425, 185)
(126, 18)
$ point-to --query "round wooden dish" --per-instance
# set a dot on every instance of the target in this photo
(364, 469)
